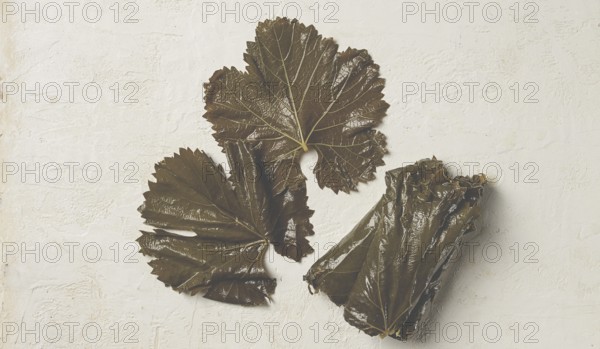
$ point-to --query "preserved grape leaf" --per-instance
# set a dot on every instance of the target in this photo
(299, 93)
(233, 222)
(387, 270)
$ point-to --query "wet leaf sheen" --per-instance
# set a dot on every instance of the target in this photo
(299, 93)
(387, 270)
(233, 222)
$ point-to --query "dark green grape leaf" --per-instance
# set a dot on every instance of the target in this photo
(233, 222)
(292, 224)
(299, 93)
(387, 270)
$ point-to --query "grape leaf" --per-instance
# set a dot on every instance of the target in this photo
(233, 221)
(299, 93)
(387, 270)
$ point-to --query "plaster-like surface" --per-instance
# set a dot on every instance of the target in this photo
(541, 214)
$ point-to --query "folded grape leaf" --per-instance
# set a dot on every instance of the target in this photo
(298, 92)
(232, 221)
(387, 270)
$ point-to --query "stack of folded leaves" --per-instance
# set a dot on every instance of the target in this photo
(299, 93)
(387, 270)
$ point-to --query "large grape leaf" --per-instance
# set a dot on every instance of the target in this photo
(387, 270)
(299, 93)
(232, 221)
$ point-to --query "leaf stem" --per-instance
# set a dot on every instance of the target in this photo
(304, 146)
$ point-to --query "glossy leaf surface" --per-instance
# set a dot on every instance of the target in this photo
(299, 93)
(387, 270)
(232, 220)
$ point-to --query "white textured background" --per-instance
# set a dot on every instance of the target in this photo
(546, 213)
